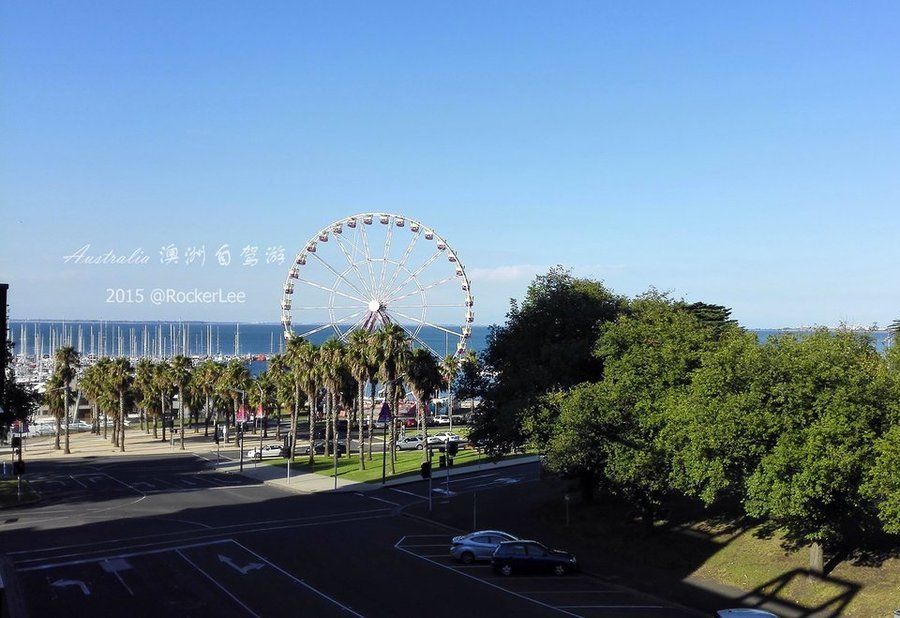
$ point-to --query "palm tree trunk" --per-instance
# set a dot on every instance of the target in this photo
(122, 421)
(181, 414)
(361, 410)
(295, 414)
(327, 423)
(312, 425)
(393, 430)
(66, 406)
(372, 420)
(206, 424)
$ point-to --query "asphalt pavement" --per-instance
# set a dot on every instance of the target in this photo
(509, 508)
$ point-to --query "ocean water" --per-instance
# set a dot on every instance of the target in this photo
(166, 339)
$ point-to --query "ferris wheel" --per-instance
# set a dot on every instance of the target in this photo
(375, 269)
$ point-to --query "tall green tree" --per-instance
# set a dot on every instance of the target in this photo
(331, 362)
(545, 345)
(393, 350)
(283, 386)
(719, 429)
(829, 395)
(162, 382)
(471, 382)
(91, 385)
(18, 401)
(423, 375)
(144, 393)
(120, 379)
(359, 361)
(449, 370)
(67, 362)
(181, 369)
(882, 484)
(56, 399)
(205, 378)
(302, 358)
(234, 382)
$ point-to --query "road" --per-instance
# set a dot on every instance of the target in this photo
(151, 536)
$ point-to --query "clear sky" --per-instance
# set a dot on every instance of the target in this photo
(745, 154)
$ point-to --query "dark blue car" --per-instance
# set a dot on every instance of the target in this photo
(531, 557)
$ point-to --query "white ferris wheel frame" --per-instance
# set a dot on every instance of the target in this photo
(372, 287)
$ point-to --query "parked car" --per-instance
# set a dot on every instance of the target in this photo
(267, 451)
(479, 545)
(447, 436)
(441, 419)
(319, 447)
(742, 612)
(531, 557)
(410, 443)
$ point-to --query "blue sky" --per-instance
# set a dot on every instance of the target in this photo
(744, 154)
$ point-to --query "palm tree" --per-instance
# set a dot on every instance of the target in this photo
(375, 358)
(261, 395)
(91, 384)
(424, 377)
(67, 361)
(55, 399)
(181, 378)
(162, 382)
(120, 379)
(331, 360)
(394, 350)
(234, 381)
(143, 389)
(449, 371)
(358, 359)
(300, 361)
(204, 378)
(282, 381)
(303, 361)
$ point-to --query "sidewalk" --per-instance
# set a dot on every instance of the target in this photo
(137, 442)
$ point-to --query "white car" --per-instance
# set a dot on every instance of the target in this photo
(268, 450)
(447, 436)
(442, 419)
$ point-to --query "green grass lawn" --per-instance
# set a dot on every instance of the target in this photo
(407, 463)
(732, 552)
(9, 493)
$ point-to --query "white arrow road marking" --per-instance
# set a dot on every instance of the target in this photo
(60, 583)
(242, 570)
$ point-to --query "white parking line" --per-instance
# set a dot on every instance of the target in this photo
(300, 581)
(218, 585)
(379, 499)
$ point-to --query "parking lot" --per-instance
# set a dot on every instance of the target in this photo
(215, 578)
(70, 487)
(571, 595)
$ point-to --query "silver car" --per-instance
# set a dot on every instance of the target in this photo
(409, 443)
(478, 545)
